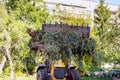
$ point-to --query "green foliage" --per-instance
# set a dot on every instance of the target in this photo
(74, 48)
(15, 17)
(115, 39)
(90, 78)
(17, 43)
(102, 20)
(74, 20)
(87, 63)
(6, 70)
(103, 30)
(8, 26)
(30, 64)
(59, 15)
(106, 33)
(60, 41)
(33, 12)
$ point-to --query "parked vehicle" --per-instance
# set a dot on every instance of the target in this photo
(57, 71)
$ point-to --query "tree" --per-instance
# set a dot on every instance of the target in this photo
(33, 12)
(102, 21)
(116, 37)
(107, 34)
(12, 43)
(23, 14)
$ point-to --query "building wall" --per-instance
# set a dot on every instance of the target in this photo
(86, 7)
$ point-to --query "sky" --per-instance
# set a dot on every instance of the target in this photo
(117, 2)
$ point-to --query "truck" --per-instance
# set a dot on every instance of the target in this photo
(59, 70)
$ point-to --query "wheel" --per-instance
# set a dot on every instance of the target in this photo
(75, 74)
(59, 73)
(43, 75)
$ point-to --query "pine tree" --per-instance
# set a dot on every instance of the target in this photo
(103, 30)
(102, 19)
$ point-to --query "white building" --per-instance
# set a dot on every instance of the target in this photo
(86, 7)
(76, 7)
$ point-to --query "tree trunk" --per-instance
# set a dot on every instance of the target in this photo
(10, 63)
(2, 63)
(7, 47)
(26, 69)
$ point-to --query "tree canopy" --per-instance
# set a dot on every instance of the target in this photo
(15, 17)
(106, 30)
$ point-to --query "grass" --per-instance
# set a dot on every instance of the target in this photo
(90, 78)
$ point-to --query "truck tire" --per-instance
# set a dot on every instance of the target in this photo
(43, 75)
(75, 75)
(59, 73)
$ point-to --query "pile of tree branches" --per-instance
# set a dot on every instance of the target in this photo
(65, 42)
